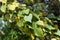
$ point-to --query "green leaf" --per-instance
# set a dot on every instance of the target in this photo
(3, 8)
(26, 11)
(28, 18)
(51, 15)
(57, 33)
(34, 25)
(48, 20)
(49, 27)
(20, 14)
(20, 23)
(36, 16)
(38, 32)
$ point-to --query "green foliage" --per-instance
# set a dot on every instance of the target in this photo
(21, 22)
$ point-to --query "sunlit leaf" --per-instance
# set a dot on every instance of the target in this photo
(49, 27)
(16, 3)
(11, 7)
(53, 39)
(32, 36)
(40, 23)
(3, 8)
(38, 32)
(20, 13)
(3, 1)
(58, 32)
(28, 18)
(59, 0)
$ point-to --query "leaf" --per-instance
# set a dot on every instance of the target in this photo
(34, 25)
(26, 11)
(32, 36)
(41, 14)
(40, 23)
(11, 7)
(16, 3)
(38, 32)
(49, 27)
(22, 4)
(3, 1)
(53, 39)
(28, 18)
(36, 16)
(51, 15)
(57, 33)
(48, 20)
(3, 8)
(20, 14)
(20, 23)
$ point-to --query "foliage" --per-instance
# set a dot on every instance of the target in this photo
(18, 21)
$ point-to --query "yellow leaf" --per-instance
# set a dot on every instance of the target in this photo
(11, 7)
(40, 23)
(32, 36)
